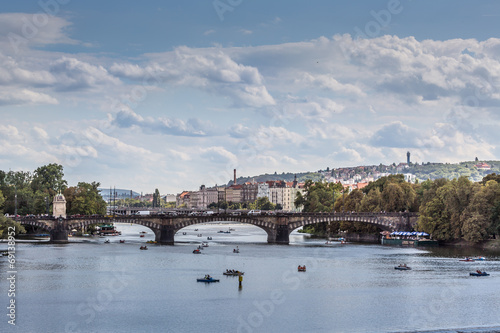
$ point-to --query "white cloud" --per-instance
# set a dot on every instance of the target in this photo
(170, 126)
(218, 155)
(11, 96)
(21, 30)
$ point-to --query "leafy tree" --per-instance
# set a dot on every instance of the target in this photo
(5, 223)
(371, 202)
(156, 199)
(85, 199)
(2, 200)
(49, 178)
(264, 204)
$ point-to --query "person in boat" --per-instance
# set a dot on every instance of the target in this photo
(479, 272)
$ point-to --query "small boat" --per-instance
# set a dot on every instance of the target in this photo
(232, 272)
(143, 232)
(402, 267)
(143, 248)
(236, 250)
(479, 273)
(184, 233)
(195, 229)
(141, 236)
(122, 240)
(223, 232)
(207, 279)
(467, 259)
(209, 238)
(196, 251)
(151, 242)
(301, 268)
(479, 258)
(204, 244)
(200, 235)
(106, 241)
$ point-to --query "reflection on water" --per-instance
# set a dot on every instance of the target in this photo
(92, 286)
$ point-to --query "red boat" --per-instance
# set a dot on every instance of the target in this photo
(301, 268)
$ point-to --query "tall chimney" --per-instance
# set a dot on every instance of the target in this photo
(234, 182)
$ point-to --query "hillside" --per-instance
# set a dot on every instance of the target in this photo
(289, 177)
(422, 172)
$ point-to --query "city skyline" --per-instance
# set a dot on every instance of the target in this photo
(172, 95)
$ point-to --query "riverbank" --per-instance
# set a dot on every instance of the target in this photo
(493, 244)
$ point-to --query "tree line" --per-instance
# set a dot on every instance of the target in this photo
(449, 210)
(32, 192)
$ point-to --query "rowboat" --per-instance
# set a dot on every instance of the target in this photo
(207, 279)
(402, 267)
(479, 273)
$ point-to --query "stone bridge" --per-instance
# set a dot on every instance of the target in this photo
(278, 227)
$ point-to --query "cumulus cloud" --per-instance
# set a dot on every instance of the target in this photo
(11, 96)
(127, 118)
(218, 155)
(396, 134)
(211, 70)
(19, 31)
(74, 74)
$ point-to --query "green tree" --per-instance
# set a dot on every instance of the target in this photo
(7, 225)
(49, 178)
(2, 201)
(371, 202)
(156, 199)
(85, 199)
(264, 204)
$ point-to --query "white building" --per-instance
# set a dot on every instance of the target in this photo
(263, 190)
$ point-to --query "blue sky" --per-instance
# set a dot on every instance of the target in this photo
(175, 94)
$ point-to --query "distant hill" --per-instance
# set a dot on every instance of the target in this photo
(446, 170)
(120, 193)
(289, 177)
(422, 172)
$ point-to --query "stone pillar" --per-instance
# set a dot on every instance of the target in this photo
(165, 235)
(59, 234)
(282, 234)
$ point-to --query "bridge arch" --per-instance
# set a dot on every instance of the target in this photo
(278, 227)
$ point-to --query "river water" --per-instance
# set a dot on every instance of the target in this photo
(91, 286)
